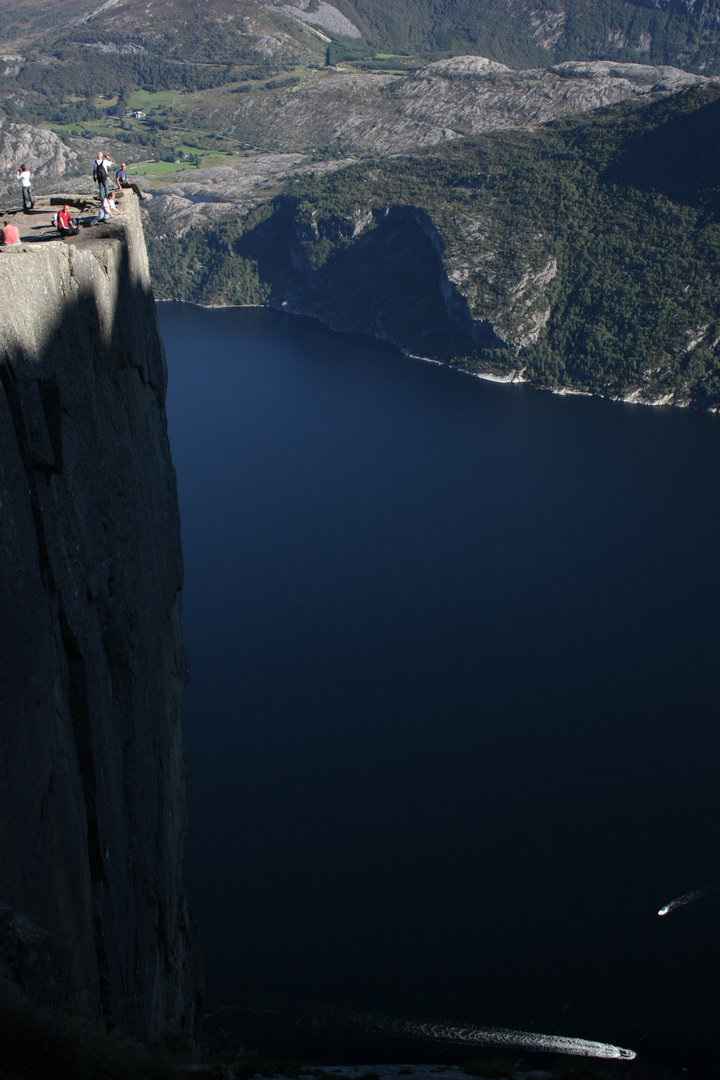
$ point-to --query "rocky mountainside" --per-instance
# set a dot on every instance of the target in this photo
(52, 49)
(581, 255)
(44, 152)
(296, 75)
(443, 102)
(354, 112)
(198, 199)
(465, 95)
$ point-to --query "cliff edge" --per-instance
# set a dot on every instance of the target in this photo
(92, 669)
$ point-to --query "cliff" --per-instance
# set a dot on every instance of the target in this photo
(92, 771)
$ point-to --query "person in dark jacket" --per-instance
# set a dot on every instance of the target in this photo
(122, 181)
(101, 164)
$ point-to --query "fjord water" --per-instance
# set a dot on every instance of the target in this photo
(452, 717)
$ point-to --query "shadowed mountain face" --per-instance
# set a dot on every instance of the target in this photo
(390, 283)
(679, 158)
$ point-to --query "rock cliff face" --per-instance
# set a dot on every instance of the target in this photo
(92, 801)
(386, 278)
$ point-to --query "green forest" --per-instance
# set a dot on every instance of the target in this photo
(638, 32)
(626, 201)
(65, 71)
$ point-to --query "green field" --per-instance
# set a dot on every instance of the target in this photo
(215, 157)
(103, 127)
(158, 168)
(147, 100)
(164, 168)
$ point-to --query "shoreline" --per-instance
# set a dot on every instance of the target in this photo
(515, 377)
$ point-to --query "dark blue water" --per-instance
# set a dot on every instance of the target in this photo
(453, 711)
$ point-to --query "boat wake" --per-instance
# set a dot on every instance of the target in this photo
(688, 898)
(473, 1036)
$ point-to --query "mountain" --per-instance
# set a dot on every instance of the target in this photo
(322, 143)
(581, 255)
(180, 79)
(59, 57)
(445, 100)
(681, 32)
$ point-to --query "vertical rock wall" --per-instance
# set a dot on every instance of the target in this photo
(92, 669)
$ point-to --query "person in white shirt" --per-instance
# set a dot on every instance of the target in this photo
(107, 209)
(23, 175)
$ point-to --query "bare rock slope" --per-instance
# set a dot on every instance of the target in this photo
(44, 152)
(466, 95)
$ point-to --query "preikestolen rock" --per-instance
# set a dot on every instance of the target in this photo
(92, 765)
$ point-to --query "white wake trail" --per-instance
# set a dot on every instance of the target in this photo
(688, 898)
(525, 1040)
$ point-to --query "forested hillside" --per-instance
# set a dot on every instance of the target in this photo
(70, 61)
(589, 251)
(675, 32)
(73, 70)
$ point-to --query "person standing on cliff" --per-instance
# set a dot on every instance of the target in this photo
(23, 175)
(100, 174)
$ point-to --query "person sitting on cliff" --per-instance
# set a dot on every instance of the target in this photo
(9, 235)
(23, 175)
(107, 209)
(66, 225)
(122, 181)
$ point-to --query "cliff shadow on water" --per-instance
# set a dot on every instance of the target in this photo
(383, 276)
(92, 772)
